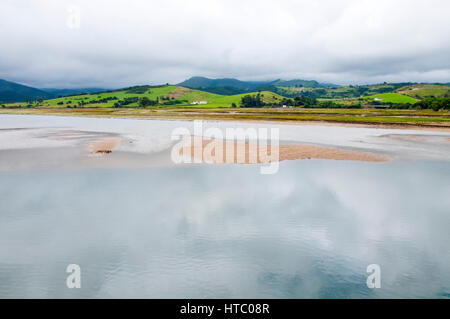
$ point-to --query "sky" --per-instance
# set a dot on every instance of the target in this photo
(118, 43)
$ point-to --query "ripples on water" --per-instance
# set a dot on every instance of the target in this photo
(227, 231)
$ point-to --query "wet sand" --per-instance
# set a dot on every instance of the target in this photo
(232, 152)
(104, 146)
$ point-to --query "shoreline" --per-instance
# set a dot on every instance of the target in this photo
(399, 126)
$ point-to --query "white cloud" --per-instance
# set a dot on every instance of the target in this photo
(122, 43)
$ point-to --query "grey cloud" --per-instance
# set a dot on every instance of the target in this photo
(122, 43)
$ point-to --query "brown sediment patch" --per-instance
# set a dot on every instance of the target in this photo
(448, 139)
(215, 151)
(417, 138)
(410, 137)
(104, 146)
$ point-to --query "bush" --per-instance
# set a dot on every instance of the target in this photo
(144, 101)
(126, 101)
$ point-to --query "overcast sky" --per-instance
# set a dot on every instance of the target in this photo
(107, 43)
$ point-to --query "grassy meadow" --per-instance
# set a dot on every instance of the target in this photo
(392, 98)
(420, 91)
(170, 94)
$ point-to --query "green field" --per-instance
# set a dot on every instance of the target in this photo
(341, 92)
(179, 96)
(391, 98)
(420, 91)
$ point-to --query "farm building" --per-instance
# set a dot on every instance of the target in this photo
(199, 103)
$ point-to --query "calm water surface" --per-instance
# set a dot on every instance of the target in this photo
(227, 231)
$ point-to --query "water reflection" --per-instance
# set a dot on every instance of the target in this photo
(227, 231)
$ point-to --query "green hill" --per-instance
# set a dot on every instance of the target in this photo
(198, 82)
(421, 91)
(301, 83)
(339, 92)
(391, 98)
(234, 86)
(164, 95)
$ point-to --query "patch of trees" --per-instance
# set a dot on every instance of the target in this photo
(257, 101)
(252, 100)
(301, 100)
(145, 101)
(103, 100)
(434, 103)
(126, 101)
(334, 105)
(174, 102)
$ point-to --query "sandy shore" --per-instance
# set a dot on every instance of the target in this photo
(232, 152)
(436, 127)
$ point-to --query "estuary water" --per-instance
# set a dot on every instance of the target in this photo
(224, 231)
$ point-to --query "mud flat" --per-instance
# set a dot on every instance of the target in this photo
(232, 152)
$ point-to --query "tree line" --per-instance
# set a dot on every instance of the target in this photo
(257, 100)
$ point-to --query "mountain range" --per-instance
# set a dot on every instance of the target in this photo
(15, 92)
(229, 86)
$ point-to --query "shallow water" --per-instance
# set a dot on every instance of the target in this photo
(164, 231)
(226, 231)
(150, 136)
